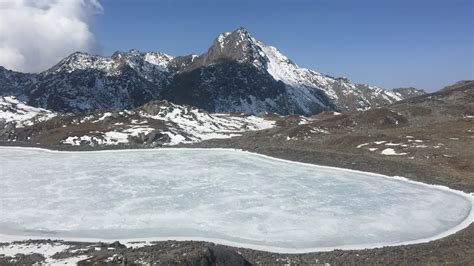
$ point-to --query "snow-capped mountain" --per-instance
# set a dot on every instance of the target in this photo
(305, 91)
(149, 65)
(83, 82)
(240, 74)
(237, 74)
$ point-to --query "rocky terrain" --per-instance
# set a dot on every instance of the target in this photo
(237, 74)
(155, 124)
(428, 138)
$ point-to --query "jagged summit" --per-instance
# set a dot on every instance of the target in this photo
(238, 46)
(133, 58)
(82, 61)
(234, 37)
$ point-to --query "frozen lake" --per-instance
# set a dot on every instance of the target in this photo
(228, 196)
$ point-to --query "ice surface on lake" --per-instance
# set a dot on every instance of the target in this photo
(217, 194)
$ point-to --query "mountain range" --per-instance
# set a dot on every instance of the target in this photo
(237, 74)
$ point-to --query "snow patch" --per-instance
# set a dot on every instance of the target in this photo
(15, 111)
(390, 151)
(190, 124)
(362, 145)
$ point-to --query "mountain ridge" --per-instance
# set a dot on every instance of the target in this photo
(238, 73)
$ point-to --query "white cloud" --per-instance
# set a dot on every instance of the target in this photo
(36, 34)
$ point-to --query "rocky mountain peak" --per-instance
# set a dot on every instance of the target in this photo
(82, 61)
(238, 45)
(235, 38)
(148, 64)
(136, 59)
(239, 38)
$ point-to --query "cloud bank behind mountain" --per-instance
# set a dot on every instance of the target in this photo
(36, 34)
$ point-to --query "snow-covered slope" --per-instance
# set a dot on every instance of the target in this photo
(341, 91)
(161, 123)
(198, 125)
(14, 111)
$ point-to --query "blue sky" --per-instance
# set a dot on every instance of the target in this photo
(420, 43)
